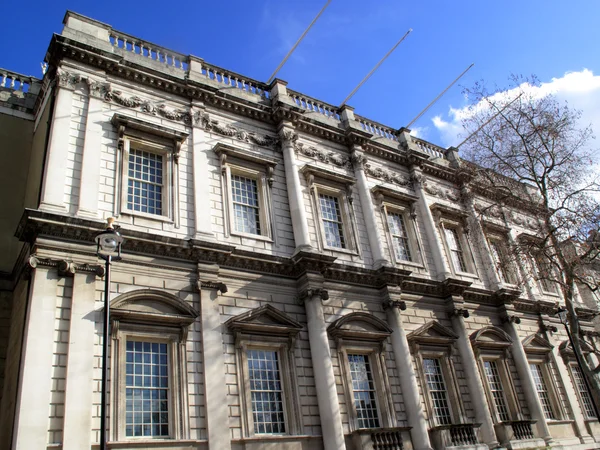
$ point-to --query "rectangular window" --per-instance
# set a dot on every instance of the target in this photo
(543, 272)
(246, 210)
(332, 221)
(399, 236)
(584, 394)
(542, 390)
(456, 250)
(363, 388)
(500, 261)
(146, 389)
(437, 390)
(266, 392)
(496, 389)
(145, 182)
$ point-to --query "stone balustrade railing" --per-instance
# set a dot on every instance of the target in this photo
(522, 430)
(15, 81)
(313, 105)
(232, 79)
(148, 50)
(444, 436)
(430, 149)
(376, 129)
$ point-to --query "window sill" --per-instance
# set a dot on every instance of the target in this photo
(467, 275)
(256, 237)
(276, 437)
(143, 215)
(152, 443)
(409, 263)
(345, 251)
(559, 421)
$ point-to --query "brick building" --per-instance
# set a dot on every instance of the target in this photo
(294, 275)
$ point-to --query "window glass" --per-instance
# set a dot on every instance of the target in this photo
(246, 210)
(437, 390)
(146, 389)
(456, 251)
(399, 236)
(499, 261)
(495, 386)
(586, 398)
(363, 389)
(332, 221)
(542, 390)
(266, 392)
(145, 182)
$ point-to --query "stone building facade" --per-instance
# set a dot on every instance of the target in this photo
(294, 275)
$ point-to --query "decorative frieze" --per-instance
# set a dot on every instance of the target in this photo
(97, 89)
(444, 194)
(147, 106)
(322, 156)
(66, 79)
(387, 176)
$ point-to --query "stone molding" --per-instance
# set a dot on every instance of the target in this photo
(212, 125)
(322, 156)
(445, 194)
(387, 176)
(67, 79)
(64, 267)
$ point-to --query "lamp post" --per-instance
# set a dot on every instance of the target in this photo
(109, 249)
(562, 313)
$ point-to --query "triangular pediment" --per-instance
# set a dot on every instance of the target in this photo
(360, 325)
(433, 332)
(265, 319)
(152, 306)
(565, 347)
(536, 343)
(492, 337)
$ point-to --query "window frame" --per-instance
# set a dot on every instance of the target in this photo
(135, 316)
(361, 333)
(277, 333)
(504, 269)
(570, 361)
(543, 282)
(587, 416)
(235, 161)
(154, 139)
(394, 202)
(322, 181)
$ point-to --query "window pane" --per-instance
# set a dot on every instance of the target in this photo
(456, 251)
(246, 211)
(542, 390)
(266, 392)
(495, 386)
(363, 389)
(146, 394)
(145, 183)
(500, 261)
(437, 389)
(332, 221)
(586, 398)
(399, 236)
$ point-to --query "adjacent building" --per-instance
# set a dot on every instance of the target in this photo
(294, 275)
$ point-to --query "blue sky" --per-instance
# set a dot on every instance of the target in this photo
(547, 38)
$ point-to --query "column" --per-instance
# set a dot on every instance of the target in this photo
(294, 189)
(442, 268)
(215, 395)
(80, 366)
(201, 174)
(329, 408)
(408, 378)
(366, 201)
(522, 364)
(90, 163)
(476, 389)
(33, 398)
(53, 186)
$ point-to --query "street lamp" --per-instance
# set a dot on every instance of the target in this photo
(562, 314)
(109, 249)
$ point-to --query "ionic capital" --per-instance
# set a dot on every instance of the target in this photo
(399, 304)
(64, 267)
(313, 293)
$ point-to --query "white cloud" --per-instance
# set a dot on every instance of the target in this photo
(580, 89)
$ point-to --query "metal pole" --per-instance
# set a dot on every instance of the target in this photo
(105, 353)
(584, 375)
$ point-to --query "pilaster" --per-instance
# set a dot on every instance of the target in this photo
(201, 175)
(522, 364)
(442, 269)
(217, 415)
(53, 187)
(366, 200)
(312, 294)
(33, 397)
(90, 163)
(406, 371)
(288, 136)
(458, 313)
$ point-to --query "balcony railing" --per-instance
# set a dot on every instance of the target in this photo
(430, 149)
(454, 435)
(314, 105)
(380, 438)
(376, 129)
(522, 430)
(15, 81)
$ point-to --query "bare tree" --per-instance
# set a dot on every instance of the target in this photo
(518, 135)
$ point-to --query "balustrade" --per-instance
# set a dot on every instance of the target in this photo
(15, 81)
(454, 435)
(522, 430)
(310, 104)
(234, 80)
(376, 128)
(147, 50)
(430, 149)
(387, 440)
